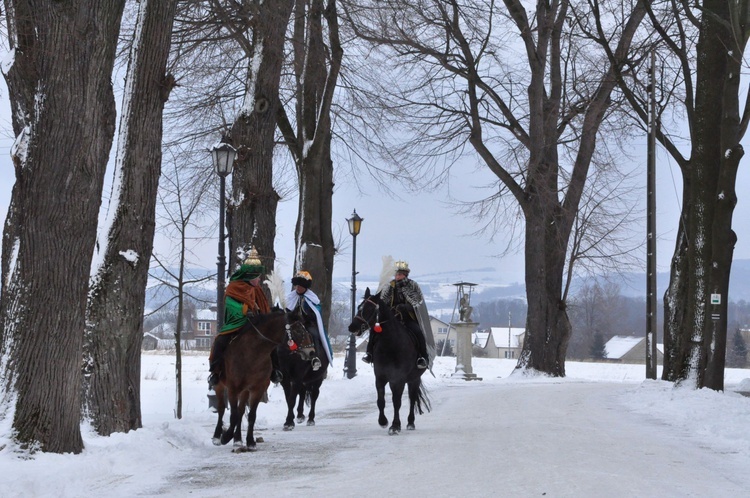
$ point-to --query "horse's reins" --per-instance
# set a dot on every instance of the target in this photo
(266, 338)
(376, 315)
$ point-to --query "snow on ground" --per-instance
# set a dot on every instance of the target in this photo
(601, 431)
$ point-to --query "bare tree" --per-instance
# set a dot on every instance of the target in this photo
(64, 119)
(701, 49)
(596, 309)
(181, 199)
(461, 84)
(114, 325)
(291, 89)
(317, 61)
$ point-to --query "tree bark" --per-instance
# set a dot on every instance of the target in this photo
(252, 211)
(114, 331)
(64, 120)
(316, 76)
(696, 328)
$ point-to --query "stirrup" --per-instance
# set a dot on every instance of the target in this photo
(367, 358)
(421, 363)
(315, 363)
(213, 379)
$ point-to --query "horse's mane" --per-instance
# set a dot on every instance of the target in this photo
(264, 317)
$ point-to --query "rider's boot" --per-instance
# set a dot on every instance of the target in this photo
(367, 358)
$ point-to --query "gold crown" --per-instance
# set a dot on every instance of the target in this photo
(304, 274)
(253, 258)
(402, 266)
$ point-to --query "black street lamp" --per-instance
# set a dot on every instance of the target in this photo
(223, 156)
(350, 365)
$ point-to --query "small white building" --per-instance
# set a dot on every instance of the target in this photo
(501, 342)
(630, 349)
(204, 327)
(442, 331)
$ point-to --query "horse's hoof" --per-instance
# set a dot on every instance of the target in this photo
(300, 420)
(216, 441)
(394, 432)
(383, 422)
(410, 427)
(244, 449)
(238, 444)
(310, 423)
(288, 427)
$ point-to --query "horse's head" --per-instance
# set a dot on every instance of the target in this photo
(368, 313)
(298, 339)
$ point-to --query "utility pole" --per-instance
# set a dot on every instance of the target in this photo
(651, 228)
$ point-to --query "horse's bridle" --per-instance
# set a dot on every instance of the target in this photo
(370, 322)
(287, 327)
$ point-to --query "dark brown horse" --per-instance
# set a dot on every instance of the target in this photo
(394, 360)
(300, 380)
(247, 368)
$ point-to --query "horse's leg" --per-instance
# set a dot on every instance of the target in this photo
(241, 403)
(398, 392)
(380, 388)
(233, 409)
(255, 398)
(221, 406)
(301, 405)
(290, 393)
(314, 393)
(413, 399)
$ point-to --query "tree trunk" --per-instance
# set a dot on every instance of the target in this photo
(64, 120)
(696, 328)
(547, 325)
(117, 298)
(316, 79)
(252, 212)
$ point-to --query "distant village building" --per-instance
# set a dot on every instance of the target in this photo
(150, 342)
(204, 326)
(501, 342)
(442, 331)
(197, 332)
(630, 349)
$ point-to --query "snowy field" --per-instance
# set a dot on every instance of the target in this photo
(602, 431)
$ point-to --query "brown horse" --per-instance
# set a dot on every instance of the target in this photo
(247, 371)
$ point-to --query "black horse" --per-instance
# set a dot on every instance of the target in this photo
(247, 372)
(300, 380)
(394, 360)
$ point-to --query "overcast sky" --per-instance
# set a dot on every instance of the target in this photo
(423, 229)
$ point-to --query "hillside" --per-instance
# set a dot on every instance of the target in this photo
(441, 292)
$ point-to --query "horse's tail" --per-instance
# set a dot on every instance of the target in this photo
(421, 398)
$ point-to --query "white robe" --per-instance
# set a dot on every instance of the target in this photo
(313, 301)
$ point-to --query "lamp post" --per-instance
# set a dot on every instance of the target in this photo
(223, 156)
(350, 365)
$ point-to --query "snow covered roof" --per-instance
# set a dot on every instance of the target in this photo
(162, 329)
(500, 337)
(620, 345)
(206, 315)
